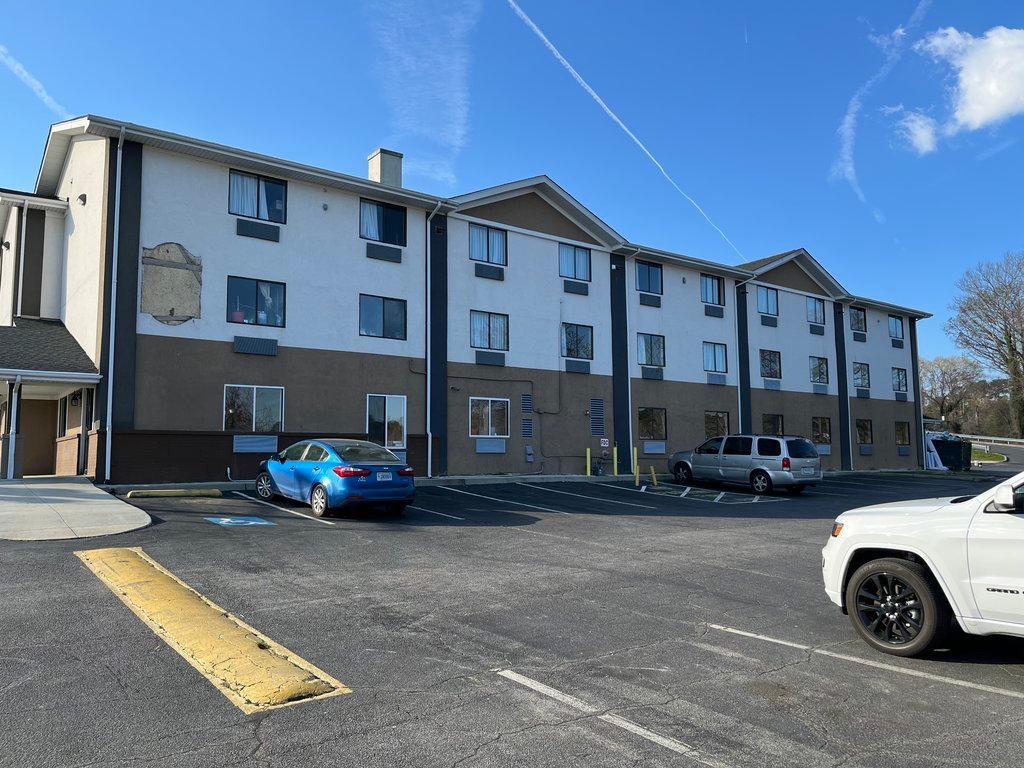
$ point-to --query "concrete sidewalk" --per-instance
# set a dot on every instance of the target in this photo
(63, 508)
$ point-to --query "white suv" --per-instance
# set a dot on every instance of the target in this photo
(904, 570)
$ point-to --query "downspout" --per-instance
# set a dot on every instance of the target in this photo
(426, 349)
(113, 309)
(12, 414)
(21, 252)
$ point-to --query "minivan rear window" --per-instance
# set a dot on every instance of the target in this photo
(737, 446)
(801, 449)
(768, 447)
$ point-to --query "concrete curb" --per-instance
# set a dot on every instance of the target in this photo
(156, 493)
(126, 488)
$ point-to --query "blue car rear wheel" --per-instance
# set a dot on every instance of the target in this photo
(318, 500)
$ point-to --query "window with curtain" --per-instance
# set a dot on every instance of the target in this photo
(815, 311)
(864, 436)
(648, 277)
(253, 409)
(488, 330)
(573, 262)
(382, 317)
(650, 349)
(767, 300)
(861, 375)
(819, 370)
(382, 222)
(712, 290)
(385, 420)
(257, 197)
(653, 423)
(488, 417)
(256, 302)
(899, 379)
(895, 327)
(577, 341)
(771, 364)
(716, 423)
(821, 430)
(714, 357)
(858, 320)
(488, 244)
(902, 433)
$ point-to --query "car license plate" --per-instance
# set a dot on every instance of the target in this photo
(807, 470)
(383, 477)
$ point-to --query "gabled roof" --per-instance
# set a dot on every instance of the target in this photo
(551, 193)
(32, 345)
(810, 265)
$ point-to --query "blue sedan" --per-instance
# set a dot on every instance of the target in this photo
(329, 474)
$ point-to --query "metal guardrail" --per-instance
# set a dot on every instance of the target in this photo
(990, 439)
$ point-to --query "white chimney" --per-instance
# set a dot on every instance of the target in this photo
(386, 167)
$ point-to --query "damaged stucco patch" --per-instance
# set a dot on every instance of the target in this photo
(172, 279)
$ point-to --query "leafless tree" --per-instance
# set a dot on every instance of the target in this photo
(988, 322)
(947, 384)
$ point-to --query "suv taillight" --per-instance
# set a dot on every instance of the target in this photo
(407, 472)
(786, 463)
(351, 472)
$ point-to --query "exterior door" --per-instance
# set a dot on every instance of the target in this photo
(706, 460)
(284, 472)
(995, 552)
(307, 471)
(735, 461)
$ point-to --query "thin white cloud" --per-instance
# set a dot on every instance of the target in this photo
(919, 131)
(424, 68)
(995, 150)
(989, 74)
(615, 118)
(34, 85)
(892, 46)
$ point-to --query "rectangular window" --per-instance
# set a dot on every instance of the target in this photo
(902, 433)
(714, 357)
(815, 311)
(821, 430)
(257, 197)
(858, 320)
(864, 432)
(253, 409)
(767, 300)
(652, 423)
(862, 376)
(62, 417)
(771, 364)
(382, 222)
(255, 302)
(771, 424)
(385, 420)
(577, 341)
(819, 370)
(648, 277)
(488, 417)
(488, 330)
(716, 423)
(712, 290)
(382, 317)
(574, 262)
(650, 349)
(899, 379)
(488, 244)
(895, 327)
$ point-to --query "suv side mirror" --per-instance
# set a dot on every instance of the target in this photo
(1006, 500)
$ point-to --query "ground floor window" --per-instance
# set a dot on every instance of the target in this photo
(652, 423)
(902, 433)
(821, 430)
(385, 420)
(864, 436)
(716, 423)
(250, 408)
(771, 424)
(488, 417)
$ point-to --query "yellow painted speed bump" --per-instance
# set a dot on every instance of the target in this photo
(253, 671)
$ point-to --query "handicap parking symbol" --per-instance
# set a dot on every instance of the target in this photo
(230, 522)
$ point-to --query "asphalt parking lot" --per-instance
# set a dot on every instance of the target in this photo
(566, 624)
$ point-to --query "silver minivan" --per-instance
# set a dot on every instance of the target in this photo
(761, 461)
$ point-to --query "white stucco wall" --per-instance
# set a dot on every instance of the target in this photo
(681, 320)
(320, 257)
(531, 295)
(879, 353)
(84, 172)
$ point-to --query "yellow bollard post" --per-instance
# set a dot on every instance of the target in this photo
(588, 462)
(636, 470)
(635, 465)
(654, 478)
(615, 459)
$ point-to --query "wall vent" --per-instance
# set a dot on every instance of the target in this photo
(597, 417)
(527, 428)
(526, 403)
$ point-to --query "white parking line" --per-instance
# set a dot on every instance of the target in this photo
(502, 501)
(285, 509)
(684, 495)
(442, 514)
(582, 496)
(676, 746)
(872, 663)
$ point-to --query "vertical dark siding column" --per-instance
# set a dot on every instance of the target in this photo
(15, 249)
(621, 417)
(845, 452)
(743, 354)
(438, 341)
(127, 286)
(32, 275)
(915, 372)
(104, 340)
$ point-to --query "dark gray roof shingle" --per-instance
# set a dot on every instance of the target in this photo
(42, 345)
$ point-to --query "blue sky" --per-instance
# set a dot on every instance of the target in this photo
(881, 136)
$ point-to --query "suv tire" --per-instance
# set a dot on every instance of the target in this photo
(896, 607)
(760, 482)
(682, 474)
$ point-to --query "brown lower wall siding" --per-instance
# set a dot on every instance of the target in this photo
(684, 403)
(561, 419)
(67, 456)
(797, 409)
(883, 415)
